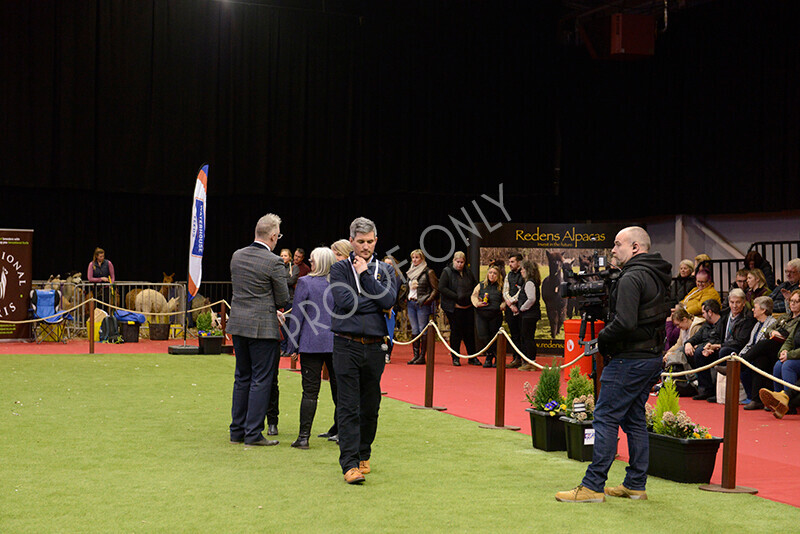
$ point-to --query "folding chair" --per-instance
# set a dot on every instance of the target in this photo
(46, 305)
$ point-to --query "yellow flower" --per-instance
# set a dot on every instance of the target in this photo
(707, 436)
(563, 407)
(696, 435)
(552, 412)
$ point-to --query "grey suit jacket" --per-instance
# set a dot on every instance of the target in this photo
(259, 289)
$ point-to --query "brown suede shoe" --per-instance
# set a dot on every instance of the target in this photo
(775, 401)
(622, 491)
(526, 367)
(580, 494)
(363, 466)
(354, 476)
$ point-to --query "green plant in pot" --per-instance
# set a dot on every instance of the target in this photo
(580, 390)
(205, 326)
(680, 449)
(547, 404)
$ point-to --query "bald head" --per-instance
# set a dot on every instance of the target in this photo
(630, 242)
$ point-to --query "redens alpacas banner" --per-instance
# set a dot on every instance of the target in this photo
(16, 259)
(197, 237)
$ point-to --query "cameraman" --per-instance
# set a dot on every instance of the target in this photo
(634, 339)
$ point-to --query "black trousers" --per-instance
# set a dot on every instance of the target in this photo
(763, 355)
(311, 371)
(358, 370)
(273, 408)
(462, 328)
(251, 386)
(528, 328)
(515, 329)
(487, 323)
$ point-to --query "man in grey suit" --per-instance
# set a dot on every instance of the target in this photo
(259, 289)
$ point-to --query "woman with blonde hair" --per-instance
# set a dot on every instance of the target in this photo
(341, 249)
(487, 297)
(423, 291)
(756, 286)
(309, 330)
(683, 283)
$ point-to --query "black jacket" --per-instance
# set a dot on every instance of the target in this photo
(638, 308)
(709, 333)
(361, 314)
(740, 333)
(456, 288)
(679, 288)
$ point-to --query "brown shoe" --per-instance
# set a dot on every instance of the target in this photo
(580, 494)
(625, 493)
(515, 364)
(354, 476)
(363, 466)
(775, 401)
(526, 367)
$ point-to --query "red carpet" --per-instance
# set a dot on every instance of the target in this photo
(768, 449)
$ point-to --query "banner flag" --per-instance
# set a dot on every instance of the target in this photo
(197, 239)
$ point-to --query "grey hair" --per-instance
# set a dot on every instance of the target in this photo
(737, 293)
(795, 263)
(362, 225)
(267, 225)
(323, 258)
(765, 303)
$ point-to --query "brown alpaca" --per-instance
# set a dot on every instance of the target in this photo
(168, 279)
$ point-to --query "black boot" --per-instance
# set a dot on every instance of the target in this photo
(474, 361)
(456, 361)
(487, 363)
(308, 408)
(415, 348)
(423, 349)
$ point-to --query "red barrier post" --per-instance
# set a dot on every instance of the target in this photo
(429, 362)
(500, 387)
(730, 445)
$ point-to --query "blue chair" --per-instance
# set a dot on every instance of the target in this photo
(46, 305)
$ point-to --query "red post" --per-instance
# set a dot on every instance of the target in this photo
(429, 361)
(222, 315)
(91, 326)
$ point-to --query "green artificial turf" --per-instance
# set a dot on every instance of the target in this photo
(129, 443)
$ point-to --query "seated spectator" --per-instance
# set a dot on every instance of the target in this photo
(756, 286)
(741, 280)
(757, 352)
(783, 290)
(686, 325)
(709, 332)
(682, 284)
(734, 336)
(702, 261)
(787, 368)
(704, 291)
(753, 260)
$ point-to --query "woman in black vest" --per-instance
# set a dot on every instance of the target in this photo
(487, 297)
(529, 309)
(101, 270)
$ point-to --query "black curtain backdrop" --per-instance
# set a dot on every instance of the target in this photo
(404, 112)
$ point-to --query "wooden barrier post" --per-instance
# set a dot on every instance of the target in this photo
(91, 326)
(429, 361)
(500, 387)
(730, 445)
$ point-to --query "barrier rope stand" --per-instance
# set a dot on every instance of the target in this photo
(500, 388)
(429, 363)
(91, 326)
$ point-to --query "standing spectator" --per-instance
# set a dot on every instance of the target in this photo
(682, 284)
(402, 290)
(782, 292)
(423, 291)
(530, 309)
(291, 271)
(514, 296)
(487, 297)
(362, 289)
(312, 338)
(101, 270)
(299, 263)
(456, 286)
(753, 260)
(259, 289)
(342, 249)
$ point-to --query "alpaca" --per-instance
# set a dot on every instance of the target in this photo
(556, 306)
(168, 279)
(69, 288)
(151, 301)
(130, 298)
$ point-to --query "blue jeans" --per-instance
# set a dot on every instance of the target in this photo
(625, 386)
(788, 371)
(418, 315)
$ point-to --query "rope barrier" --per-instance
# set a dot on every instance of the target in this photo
(732, 357)
(467, 356)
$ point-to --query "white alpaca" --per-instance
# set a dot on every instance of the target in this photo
(151, 301)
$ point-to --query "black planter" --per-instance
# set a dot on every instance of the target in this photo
(683, 460)
(159, 331)
(547, 431)
(575, 432)
(210, 344)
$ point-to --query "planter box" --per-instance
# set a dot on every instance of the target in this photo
(547, 431)
(210, 344)
(683, 460)
(129, 332)
(159, 331)
(576, 439)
